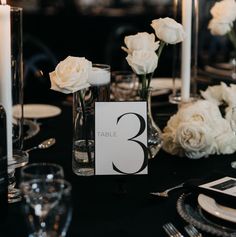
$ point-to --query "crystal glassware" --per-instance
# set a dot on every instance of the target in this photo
(47, 206)
(46, 171)
(84, 119)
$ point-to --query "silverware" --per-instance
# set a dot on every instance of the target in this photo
(171, 230)
(192, 231)
(43, 145)
(166, 192)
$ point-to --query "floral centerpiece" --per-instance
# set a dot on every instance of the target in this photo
(73, 75)
(222, 23)
(199, 129)
(144, 52)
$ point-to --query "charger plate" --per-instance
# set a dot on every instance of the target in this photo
(189, 209)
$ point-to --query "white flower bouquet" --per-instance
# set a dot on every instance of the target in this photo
(144, 52)
(224, 16)
(199, 129)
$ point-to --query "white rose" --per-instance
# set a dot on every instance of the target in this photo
(142, 61)
(201, 111)
(225, 11)
(71, 75)
(229, 94)
(140, 41)
(195, 138)
(218, 27)
(170, 145)
(213, 94)
(168, 30)
(226, 142)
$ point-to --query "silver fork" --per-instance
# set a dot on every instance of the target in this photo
(165, 193)
(171, 230)
(192, 231)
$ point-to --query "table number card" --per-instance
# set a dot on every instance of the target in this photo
(121, 138)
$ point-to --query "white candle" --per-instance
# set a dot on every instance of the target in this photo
(99, 76)
(5, 70)
(186, 50)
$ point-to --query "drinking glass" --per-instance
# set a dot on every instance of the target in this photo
(124, 85)
(47, 206)
(46, 171)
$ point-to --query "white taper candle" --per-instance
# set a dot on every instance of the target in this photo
(186, 50)
(5, 70)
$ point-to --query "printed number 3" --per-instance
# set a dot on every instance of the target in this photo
(144, 148)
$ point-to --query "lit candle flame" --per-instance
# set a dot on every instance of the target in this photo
(3, 2)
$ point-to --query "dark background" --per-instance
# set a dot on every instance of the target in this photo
(95, 29)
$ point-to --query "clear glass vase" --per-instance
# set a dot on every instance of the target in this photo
(83, 159)
(154, 134)
(83, 134)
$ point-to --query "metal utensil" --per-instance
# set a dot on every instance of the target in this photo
(192, 231)
(166, 192)
(43, 145)
(171, 230)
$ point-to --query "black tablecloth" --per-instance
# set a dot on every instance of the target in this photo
(116, 205)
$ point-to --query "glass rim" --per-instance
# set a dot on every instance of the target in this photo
(42, 164)
(66, 188)
(101, 65)
(16, 9)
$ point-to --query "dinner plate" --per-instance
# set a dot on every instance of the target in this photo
(37, 111)
(211, 206)
(189, 209)
(165, 83)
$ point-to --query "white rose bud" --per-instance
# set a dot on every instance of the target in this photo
(168, 30)
(71, 75)
(218, 27)
(225, 11)
(140, 41)
(142, 61)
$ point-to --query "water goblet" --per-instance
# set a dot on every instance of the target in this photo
(47, 206)
(47, 171)
(124, 85)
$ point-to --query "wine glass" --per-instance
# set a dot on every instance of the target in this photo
(47, 206)
(20, 158)
(47, 171)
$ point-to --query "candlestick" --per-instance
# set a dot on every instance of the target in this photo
(5, 70)
(186, 50)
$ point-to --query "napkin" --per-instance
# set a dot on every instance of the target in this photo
(225, 199)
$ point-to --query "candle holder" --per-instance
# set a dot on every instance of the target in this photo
(188, 88)
(19, 158)
(17, 77)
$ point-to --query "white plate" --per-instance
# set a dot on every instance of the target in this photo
(211, 206)
(37, 111)
(165, 83)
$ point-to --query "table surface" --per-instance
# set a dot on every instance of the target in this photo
(116, 205)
